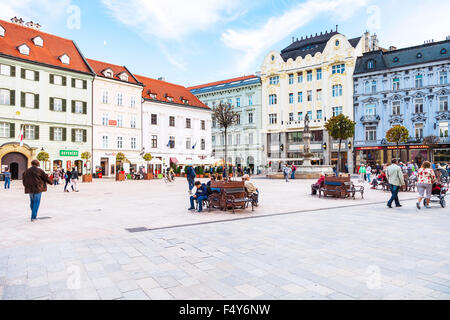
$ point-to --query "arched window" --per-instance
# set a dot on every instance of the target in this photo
(374, 86)
(419, 55)
(367, 87)
(396, 59)
(443, 51)
(370, 64)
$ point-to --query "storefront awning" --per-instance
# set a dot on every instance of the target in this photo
(174, 160)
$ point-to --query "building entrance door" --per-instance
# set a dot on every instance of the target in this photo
(104, 162)
(17, 163)
(14, 169)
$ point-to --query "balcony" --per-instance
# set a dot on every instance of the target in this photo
(444, 140)
(370, 118)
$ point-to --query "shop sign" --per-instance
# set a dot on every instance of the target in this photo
(68, 153)
(112, 123)
(418, 147)
(369, 148)
(395, 147)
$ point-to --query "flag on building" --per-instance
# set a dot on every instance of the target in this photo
(195, 144)
(21, 136)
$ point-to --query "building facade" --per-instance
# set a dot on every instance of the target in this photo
(314, 77)
(245, 142)
(176, 125)
(117, 123)
(406, 87)
(46, 93)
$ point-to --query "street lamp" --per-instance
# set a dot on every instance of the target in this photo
(349, 145)
(324, 146)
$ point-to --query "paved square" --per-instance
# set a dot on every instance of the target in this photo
(294, 246)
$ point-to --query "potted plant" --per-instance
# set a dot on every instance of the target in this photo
(184, 173)
(206, 174)
(200, 172)
(120, 157)
(86, 156)
(148, 157)
(177, 171)
(43, 157)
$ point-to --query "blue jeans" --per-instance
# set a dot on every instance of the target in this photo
(293, 175)
(35, 201)
(7, 183)
(200, 202)
(394, 197)
(368, 177)
(191, 183)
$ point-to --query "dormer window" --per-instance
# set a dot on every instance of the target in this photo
(370, 64)
(65, 59)
(24, 49)
(153, 96)
(38, 41)
(396, 59)
(108, 73)
(419, 55)
(123, 76)
(2, 31)
(170, 99)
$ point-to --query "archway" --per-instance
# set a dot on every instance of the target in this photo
(17, 163)
(251, 164)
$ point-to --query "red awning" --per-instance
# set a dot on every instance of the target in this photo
(174, 160)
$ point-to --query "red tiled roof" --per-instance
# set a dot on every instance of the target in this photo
(162, 88)
(221, 82)
(54, 47)
(99, 67)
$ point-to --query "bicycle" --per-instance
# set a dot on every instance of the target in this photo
(167, 179)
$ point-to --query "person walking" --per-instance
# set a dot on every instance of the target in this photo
(286, 172)
(74, 179)
(362, 173)
(368, 172)
(394, 175)
(190, 175)
(55, 177)
(67, 176)
(426, 178)
(293, 168)
(35, 181)
(7, 176)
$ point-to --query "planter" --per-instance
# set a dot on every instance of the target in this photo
(206, 175)
(200, 176)
(160, 176)
(120, 177)
(87, 178)
(148, 176)
(177, 175)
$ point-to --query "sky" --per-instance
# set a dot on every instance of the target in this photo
(191, 42)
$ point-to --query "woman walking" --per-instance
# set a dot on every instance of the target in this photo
(426, 178)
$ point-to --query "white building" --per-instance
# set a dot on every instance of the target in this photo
(176, 125)
(117, 112)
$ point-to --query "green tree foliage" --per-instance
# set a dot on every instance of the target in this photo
(397, 134)
(340, 128)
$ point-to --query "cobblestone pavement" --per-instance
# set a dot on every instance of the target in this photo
(357, 252)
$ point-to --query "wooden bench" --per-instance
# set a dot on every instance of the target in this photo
(334, 186)
(233, 194)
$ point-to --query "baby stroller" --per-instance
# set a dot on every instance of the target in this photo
(438, 193)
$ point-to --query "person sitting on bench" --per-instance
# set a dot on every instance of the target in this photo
(250, 187)
(316, 186)
(200, 195)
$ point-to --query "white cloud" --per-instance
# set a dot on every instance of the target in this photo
(171, 19)
(33, 10)
(253, 42)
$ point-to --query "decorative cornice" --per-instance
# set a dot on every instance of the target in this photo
(419, 117)
(443, 115)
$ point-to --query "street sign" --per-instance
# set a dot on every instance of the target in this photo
(68, 153)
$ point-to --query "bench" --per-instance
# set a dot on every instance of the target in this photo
(230, 194)
(335, 186)
(237, 198)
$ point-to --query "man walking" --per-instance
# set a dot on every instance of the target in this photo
(286, 172)
(7, 176)
(394, 175)
(293, 168)
(35, 181)
(190, 175)
(74, 179)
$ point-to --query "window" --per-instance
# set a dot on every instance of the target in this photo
(309, 113)
(79, 107)
(172, 142)
(418, 106)
(340, 68)
(78, 135)
(203, 124)
(119, 99)
(371, 133)
(337, 111)
(443, 103)
(188, 123)
(214, 123)
(300, 116)
(154, 119)
(105, 119)
(58, 134)
(222, 140)
(5, 97)
(238, 119)
(274, 80)
(319, 94)
(371, 109)
(319, 74)
(291, 98)
(419, 55)
(79, 84)
(171, 121)
(250, 100)
(238, 139)
(29, 132)
(419, 130)
(119, 121)
(202, 144)
(309, 76)
(272, 118)
(29, 101)
(370, 64)
(396, 59)
(30, 75)
(250, 138)
(105, 97)
(4, 130)
(273, 99)
(443, 129)
(291, 116)
(238, 102)
(23, 49)
(337, 90)
(58, 80)
(300, 97)
(300, 77)
(309, 95)
(65, 59)
(443, 51)
(132, 102)
(105, 142)
(250, 117)
(291, 79)
(367, 87)
(133, 143)
(443, 77)
(5, 70)
(396, 84)
(57, 105)
(374, 86)
(419, 81)
(154, 141)
(133, 122)
(119, 142)
(213, 140)
(230, 139)
(319, 114)
(396, 108)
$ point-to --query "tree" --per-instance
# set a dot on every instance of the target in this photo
(340, 128)
(147, 157)
(225, 117)
(431, 142)
(86, 156)
(397, 134)
(120, 157)
(43, 156)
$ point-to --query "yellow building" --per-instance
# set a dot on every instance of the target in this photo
(314, 76)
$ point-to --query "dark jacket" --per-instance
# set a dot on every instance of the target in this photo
(190, 173)
(35, 180)
(202, 191)
(74, 174)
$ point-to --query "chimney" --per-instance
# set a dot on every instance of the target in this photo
(293, 39)
(32, 25)
(374, 44)
(17, 21)
(162, 79)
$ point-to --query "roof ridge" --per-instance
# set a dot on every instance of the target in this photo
(214, 83)
(32, 29)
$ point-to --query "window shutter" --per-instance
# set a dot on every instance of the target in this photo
(12, 97)
(13, 71)
(84, 84)
(73, 135)
(84, 135)
(64, 105)
(73, 83)
(22, 99)
(36, 132)
(52, 134)
(22, 73)
(64, 134)
(84, 107)
(36, 76)
(52, 79)
(12, 130)
(73, 106)
(64, 81)
(52, 104)
(36, 101)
